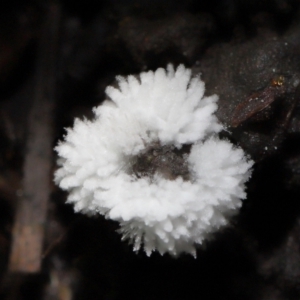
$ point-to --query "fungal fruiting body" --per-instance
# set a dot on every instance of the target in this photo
(151, 159)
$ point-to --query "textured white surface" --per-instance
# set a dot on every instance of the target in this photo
(165, 107)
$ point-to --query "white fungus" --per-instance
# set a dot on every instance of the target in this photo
(152, 160)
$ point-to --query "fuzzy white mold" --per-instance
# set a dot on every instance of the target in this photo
(165, 108)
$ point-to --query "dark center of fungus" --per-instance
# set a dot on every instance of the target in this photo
(167, 161)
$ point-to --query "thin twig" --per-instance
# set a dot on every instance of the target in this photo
(28, 231)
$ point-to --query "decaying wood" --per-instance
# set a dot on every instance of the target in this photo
(28, 230)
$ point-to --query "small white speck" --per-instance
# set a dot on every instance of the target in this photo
(266, 148)
(296, 82)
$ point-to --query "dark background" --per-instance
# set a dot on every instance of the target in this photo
(244, 50)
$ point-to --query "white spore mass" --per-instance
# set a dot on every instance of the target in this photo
(152, 160)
